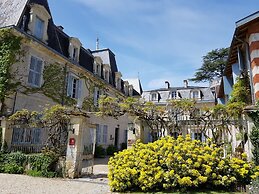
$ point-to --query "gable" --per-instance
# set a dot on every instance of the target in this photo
(11, 11)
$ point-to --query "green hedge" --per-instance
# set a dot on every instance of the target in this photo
(177, 165)
(111, 149)
(34, 164)
(100, 151)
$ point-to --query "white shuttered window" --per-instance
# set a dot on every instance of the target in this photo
(39, 28)
(101, 134)
(34, 78)
(74, 86)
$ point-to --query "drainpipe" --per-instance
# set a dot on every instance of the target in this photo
(248, 67)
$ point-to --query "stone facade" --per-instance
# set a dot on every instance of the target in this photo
(44, 44)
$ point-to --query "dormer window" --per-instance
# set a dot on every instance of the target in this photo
(126, 88)
(106, 72)
(118, 80)
(74, 49)
(39, 28)
(154, 97)
(38, 25)
(174, 94)
(106, 75)
(75, 53)
(98, 66)
(195, 94)
(130, 90)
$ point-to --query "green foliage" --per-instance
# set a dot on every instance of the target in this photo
(123, 146)
(16, 157)
(37, 164)
(13, 168)
(25, 117)
(10, 50)
(13, 163)
(241, 91)
(54, 77)
(54, 119)
(1, 137)
(254, 137)
(41, 165)
(111, 149)
(100, 151)
(217, 119)
(254, 186)
(213, 65)
(182, 164)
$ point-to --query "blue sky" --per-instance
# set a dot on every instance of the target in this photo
(158, 39)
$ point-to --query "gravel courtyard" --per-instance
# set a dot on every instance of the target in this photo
(20, 184)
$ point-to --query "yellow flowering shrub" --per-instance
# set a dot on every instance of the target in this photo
(175, 164)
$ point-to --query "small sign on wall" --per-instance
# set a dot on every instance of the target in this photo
(72, 141)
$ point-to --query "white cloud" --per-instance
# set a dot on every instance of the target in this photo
(162, 40)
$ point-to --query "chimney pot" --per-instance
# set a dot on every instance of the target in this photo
(167, 84)
(185, 82)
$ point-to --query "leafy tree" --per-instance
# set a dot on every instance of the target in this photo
(150, 114)
(254, 135)
(10, 51)
(213, 65)
(54, 120)
(175, 117)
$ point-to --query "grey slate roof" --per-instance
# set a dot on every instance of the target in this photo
(136, 84)
(10, 11)
(182, 92)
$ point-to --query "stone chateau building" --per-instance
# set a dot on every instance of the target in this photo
(87, 74)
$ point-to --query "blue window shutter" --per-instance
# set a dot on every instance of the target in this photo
(32, 68)
(33, 63)
(39, 66)
(36, 136)
(95, 96)
(16, 135)
(69, 85)
(79, 89)
(105, 133)
(98, 134)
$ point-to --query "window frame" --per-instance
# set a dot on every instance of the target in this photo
(175, 95)
(74, 90)
(39, 73)
(195, 96)
(27, 136)
(154, 96)
(101, 134)
(39, 34)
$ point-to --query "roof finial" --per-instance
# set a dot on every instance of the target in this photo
(97, 44)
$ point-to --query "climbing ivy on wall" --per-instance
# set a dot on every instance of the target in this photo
(54, 76)
(254, 135)
(54, 86)
(10, 51)
(54, 82)
(241, 91)
(88, 102)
